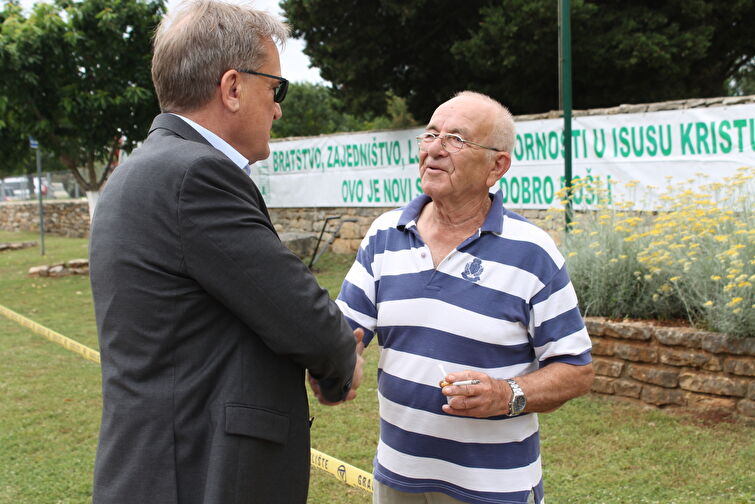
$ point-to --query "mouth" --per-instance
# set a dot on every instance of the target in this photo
(434, 169)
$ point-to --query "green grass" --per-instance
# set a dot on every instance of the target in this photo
(594, 450)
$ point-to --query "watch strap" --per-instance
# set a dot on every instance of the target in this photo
(516, 393)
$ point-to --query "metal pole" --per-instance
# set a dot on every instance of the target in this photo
(565, 96)
(41, 206)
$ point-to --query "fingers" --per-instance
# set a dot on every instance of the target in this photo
(480, 400)
(315, 386)
(356, 379)
(359, 335)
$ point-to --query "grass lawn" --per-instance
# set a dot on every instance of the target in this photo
(594, 450)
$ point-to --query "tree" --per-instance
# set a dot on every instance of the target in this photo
(623, 51)
(15, 153)
(313, 109)
(76, 76)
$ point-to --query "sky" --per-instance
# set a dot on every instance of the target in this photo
(294, 63)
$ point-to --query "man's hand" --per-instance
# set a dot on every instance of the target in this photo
(488, 398)
(356, 379)
(546, 390)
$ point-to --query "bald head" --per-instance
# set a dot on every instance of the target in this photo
(502, 132)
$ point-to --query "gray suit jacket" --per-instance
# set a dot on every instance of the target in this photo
(206, 325)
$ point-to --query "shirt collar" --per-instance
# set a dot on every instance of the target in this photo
(218, 143)
(493, 221)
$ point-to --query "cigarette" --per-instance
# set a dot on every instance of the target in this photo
(466, 382)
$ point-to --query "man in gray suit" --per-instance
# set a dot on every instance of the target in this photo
(206, 321)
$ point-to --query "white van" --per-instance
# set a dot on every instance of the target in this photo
(17, 188)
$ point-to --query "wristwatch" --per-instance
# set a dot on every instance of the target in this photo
(518, 401)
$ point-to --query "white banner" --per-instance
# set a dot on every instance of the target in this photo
(653, 149)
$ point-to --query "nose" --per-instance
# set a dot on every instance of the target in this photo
(278, 113)
(436, 149)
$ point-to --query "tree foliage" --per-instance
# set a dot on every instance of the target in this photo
(76, 76)
(313, 109)
(623, 51)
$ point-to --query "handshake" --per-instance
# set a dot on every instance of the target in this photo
(356, 379)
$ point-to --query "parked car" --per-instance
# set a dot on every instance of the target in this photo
(17, 188)
(8, 194)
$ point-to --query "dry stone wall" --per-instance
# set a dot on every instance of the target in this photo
(62, 217)
(674, 367)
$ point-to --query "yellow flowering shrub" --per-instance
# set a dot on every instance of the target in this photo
(692, 256)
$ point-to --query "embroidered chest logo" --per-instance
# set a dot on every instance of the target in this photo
(473, 270)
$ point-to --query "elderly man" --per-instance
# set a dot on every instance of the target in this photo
(458, 288)
(206, 321)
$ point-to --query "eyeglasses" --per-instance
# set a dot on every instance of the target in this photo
(451, 143)
(280, 91)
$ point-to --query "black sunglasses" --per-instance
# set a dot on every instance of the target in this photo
(280, 91)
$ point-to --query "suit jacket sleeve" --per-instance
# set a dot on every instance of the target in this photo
(232, 250)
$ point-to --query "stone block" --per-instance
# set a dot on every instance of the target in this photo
(746, 407)
(660, 396)
(77, 263)
(603, 385)
(707, 403)
(713, 384)
(628, 330)
(344, 246)
(38, 271)
(723, 343)
(351, 230)
(716, 363)
(57, 270)
(595, 326)
(601, 346)
(743, 366)
(607, 367)
(679, 336)
(635, 352)
(627, 388)
(751, 391)
(664, 377)
(683, 357)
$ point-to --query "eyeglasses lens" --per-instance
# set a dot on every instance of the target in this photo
(450, 143)
(280, 92)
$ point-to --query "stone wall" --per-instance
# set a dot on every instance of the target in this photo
(62, 217)
(674, 367)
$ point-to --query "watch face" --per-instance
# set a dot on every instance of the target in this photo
(519, 403)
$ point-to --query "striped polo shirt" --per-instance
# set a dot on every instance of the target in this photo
(501, 303)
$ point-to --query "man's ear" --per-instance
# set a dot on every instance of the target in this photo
(230, 84)
(502, 163)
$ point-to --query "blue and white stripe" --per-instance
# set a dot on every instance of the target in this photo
(517, 314)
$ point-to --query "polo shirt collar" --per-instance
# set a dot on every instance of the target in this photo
(493, 221)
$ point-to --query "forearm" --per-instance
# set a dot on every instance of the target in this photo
(545, 389)
(548, 388)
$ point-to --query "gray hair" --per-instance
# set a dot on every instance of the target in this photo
(202, 40)
(503, 134)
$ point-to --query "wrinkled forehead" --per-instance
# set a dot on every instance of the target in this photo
(466, 116)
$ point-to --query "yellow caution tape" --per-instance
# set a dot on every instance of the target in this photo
(51, 335)
(341, 470)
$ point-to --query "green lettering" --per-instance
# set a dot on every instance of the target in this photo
(686, 133)
(701, 130)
